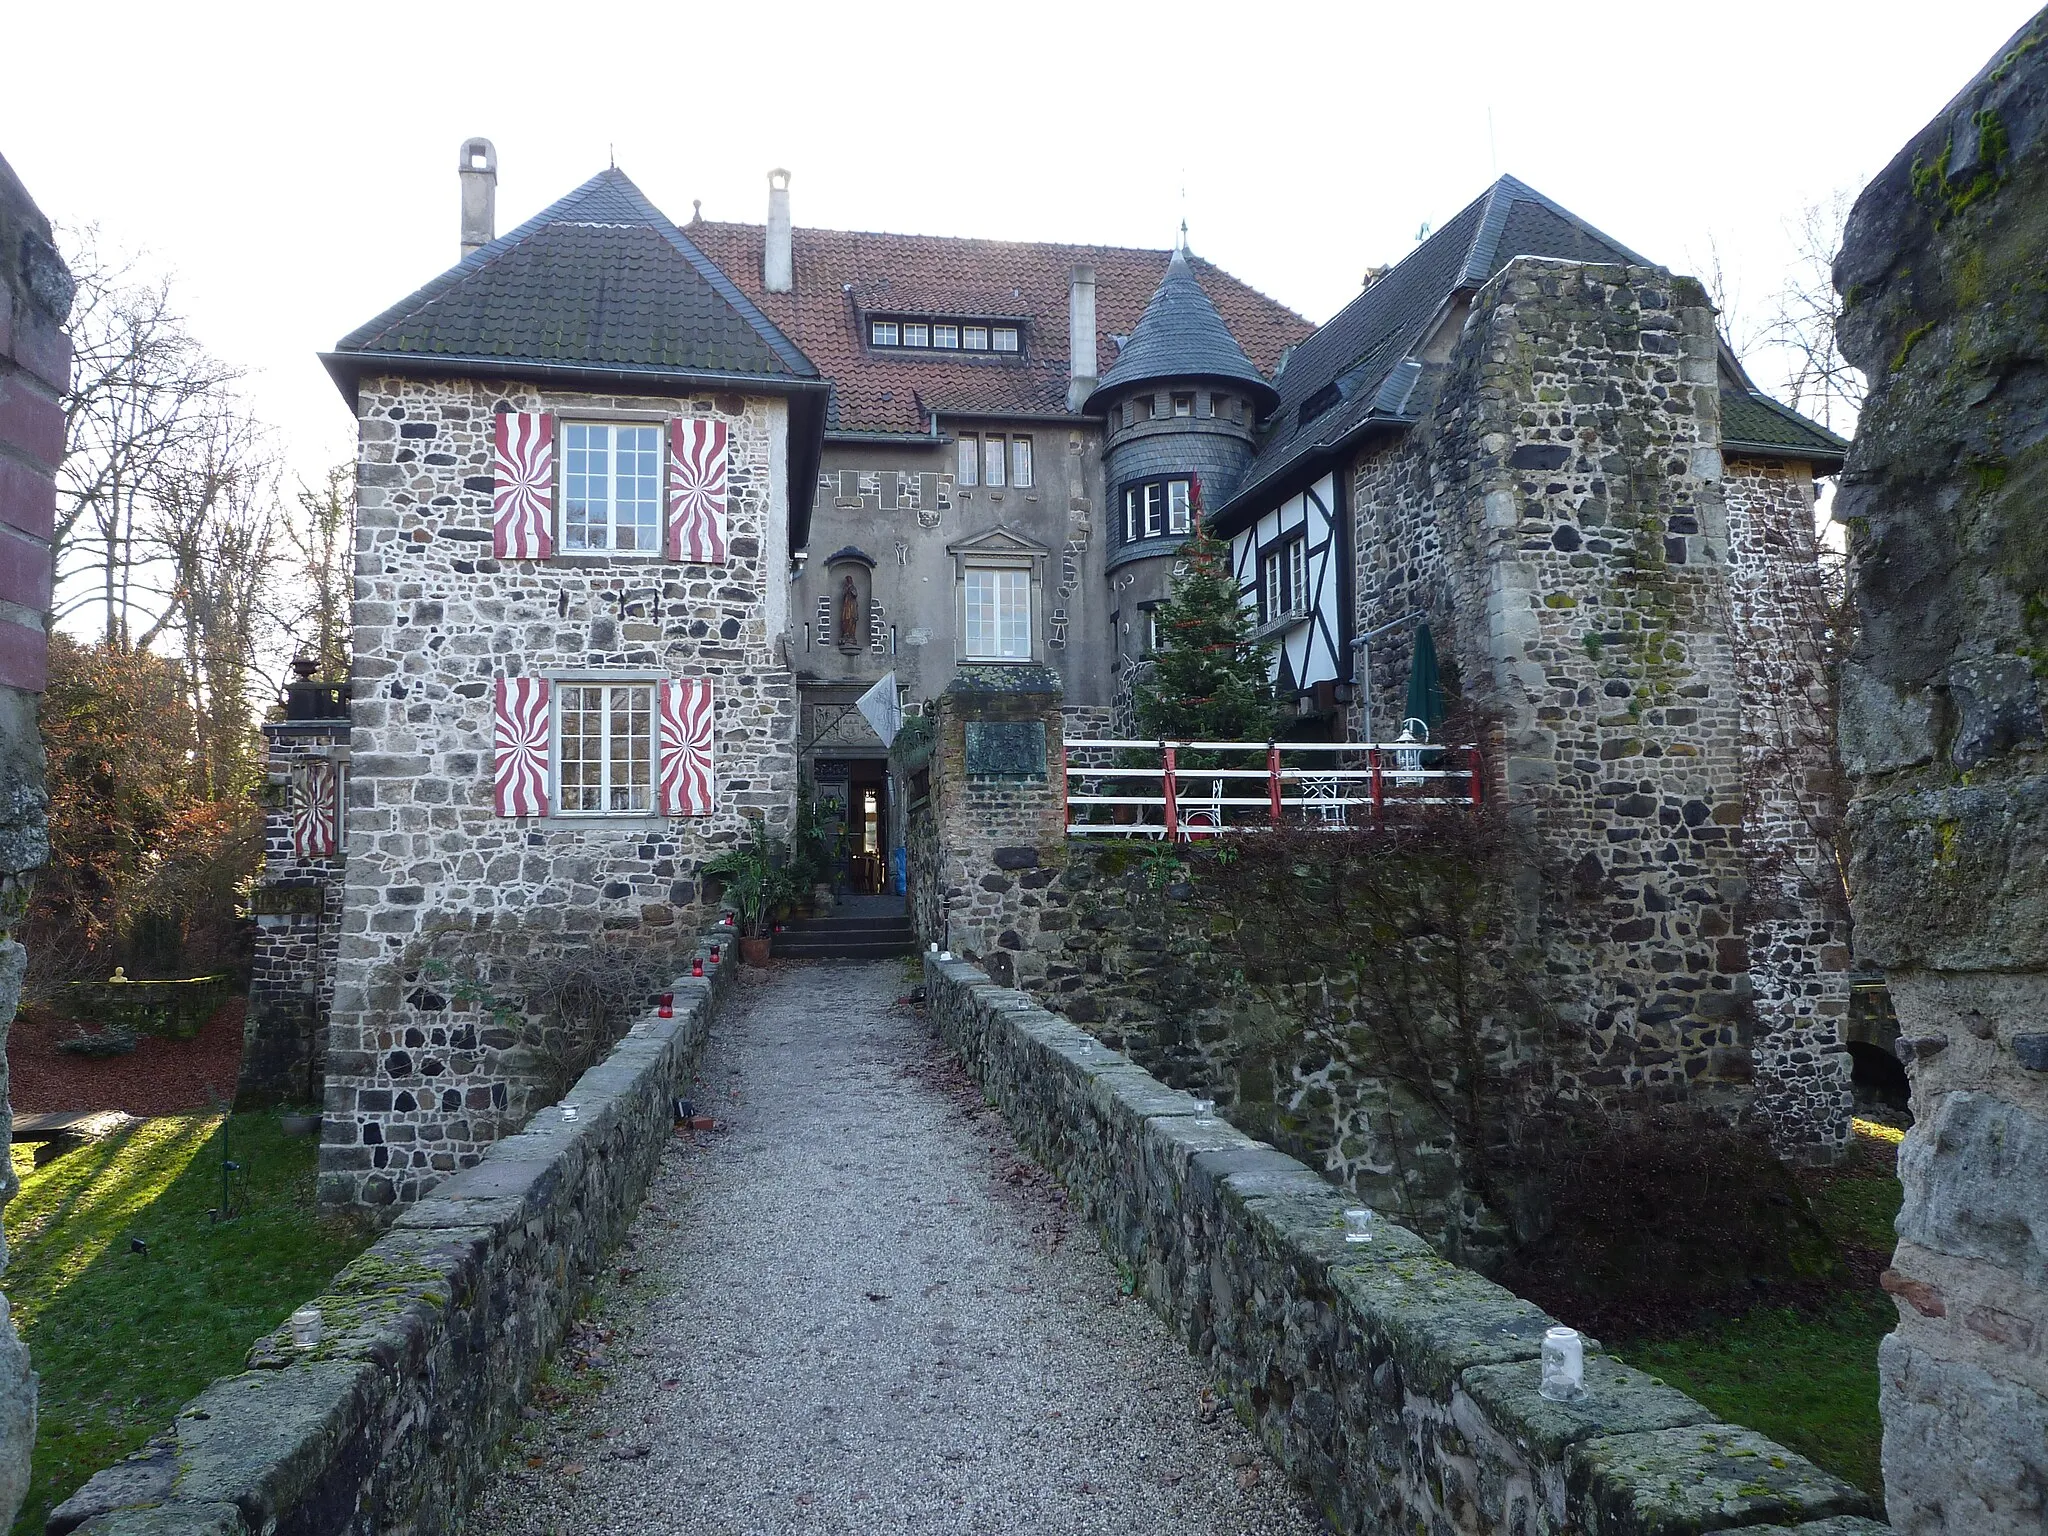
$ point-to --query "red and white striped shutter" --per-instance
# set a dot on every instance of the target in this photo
(316, 811)
(687, 785)
(523, 486)
(520, 722)
(696, 491)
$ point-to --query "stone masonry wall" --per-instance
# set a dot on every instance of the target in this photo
(298, 907)
(1575, 469)
(1398, 1389)
(35, 370)
(432, 1339)
(1943, 733)
(417, 1088)
(1796, 917)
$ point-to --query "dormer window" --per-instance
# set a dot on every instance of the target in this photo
(1318, 403)
(916, 334)
(1005, 337)
(974, 337)
(936, 335)
(1183, 405)
(946, 337)
(883, 333)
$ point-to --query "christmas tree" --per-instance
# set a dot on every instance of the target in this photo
(1210, 679)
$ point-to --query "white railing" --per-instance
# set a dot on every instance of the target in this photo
(1333, 785)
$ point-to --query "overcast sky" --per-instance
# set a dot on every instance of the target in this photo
(294, 165)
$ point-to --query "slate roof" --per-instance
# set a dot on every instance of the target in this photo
(844, 275)
(1181, 336)
(1754, 424)
(601, 280)
(1362, 347)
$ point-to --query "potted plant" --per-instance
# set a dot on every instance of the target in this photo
(756, 881)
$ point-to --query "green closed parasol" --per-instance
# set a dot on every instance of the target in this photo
(1425, 685)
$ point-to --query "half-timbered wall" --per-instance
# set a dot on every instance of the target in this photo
(417, 1085)
(1311, 649)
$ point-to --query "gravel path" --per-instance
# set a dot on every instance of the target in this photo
(858, 1309)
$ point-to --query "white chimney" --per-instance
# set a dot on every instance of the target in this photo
(778, 265)
(479, 172)
(1081, 374)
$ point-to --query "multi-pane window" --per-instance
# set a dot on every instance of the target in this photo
(1157, 508)
(916, 334)
(946, 337)
(883, 333)
(998, 613)
(611, 487)
(1020, 462)
(969, 470)
(1005, 338)
(992, 460)
(974, 338)
(982, 460)
(1283, 580)
(604, 747)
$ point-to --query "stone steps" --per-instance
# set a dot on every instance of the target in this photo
(863, 936)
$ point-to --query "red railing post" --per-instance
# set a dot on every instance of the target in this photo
(1273, 778)
(1472, 765)
(1172, 809)
(1372, 761)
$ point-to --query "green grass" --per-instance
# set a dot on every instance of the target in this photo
(120, 1339)
(1806, 1376)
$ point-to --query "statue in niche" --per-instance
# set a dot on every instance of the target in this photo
(849, 613)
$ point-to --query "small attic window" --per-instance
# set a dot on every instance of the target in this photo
(1319, 402)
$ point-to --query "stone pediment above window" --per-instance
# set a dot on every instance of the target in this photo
(996, 544)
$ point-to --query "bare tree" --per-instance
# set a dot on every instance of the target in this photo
(143, 391)
(217, 523)
(1805, 316)
(323, 540)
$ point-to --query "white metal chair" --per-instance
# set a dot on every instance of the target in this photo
(1332, 803)
(1203, 817)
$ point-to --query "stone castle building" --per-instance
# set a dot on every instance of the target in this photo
(646, 508)
(585, 460)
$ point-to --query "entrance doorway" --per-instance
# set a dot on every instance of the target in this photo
(864, 837)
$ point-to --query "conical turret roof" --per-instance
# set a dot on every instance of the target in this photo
(1180, 336)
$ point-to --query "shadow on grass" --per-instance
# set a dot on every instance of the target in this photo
(1806, 1375)
(119, 1338)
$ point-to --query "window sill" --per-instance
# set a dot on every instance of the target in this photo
(1278, 626)
(605, 819)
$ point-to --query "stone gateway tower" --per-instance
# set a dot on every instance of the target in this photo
(585, 460)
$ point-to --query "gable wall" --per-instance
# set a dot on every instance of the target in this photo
(415, 1089)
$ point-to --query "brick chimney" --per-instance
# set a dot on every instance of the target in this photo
(778, 265)
(479, 172)
(1081, 372)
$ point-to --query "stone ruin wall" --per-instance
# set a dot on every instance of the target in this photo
(1573, 470)
(1796, 909)
(418, 1085)
(1943, 733)
(298, 907)
(35, 369)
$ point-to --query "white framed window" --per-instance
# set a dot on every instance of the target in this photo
(998, 613)
(1177, 499)
(604, 748)
(1005, 338)
(992, 460)
(946, 337)
(916, 334)
(1155, 510)
(974, 338)
(1020, 462)
(1134, 522)
(969, 469)
(1149, 625)
(1283, 580)
(883, 333)
(611, 487)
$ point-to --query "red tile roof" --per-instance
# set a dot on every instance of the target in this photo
(844, 274)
